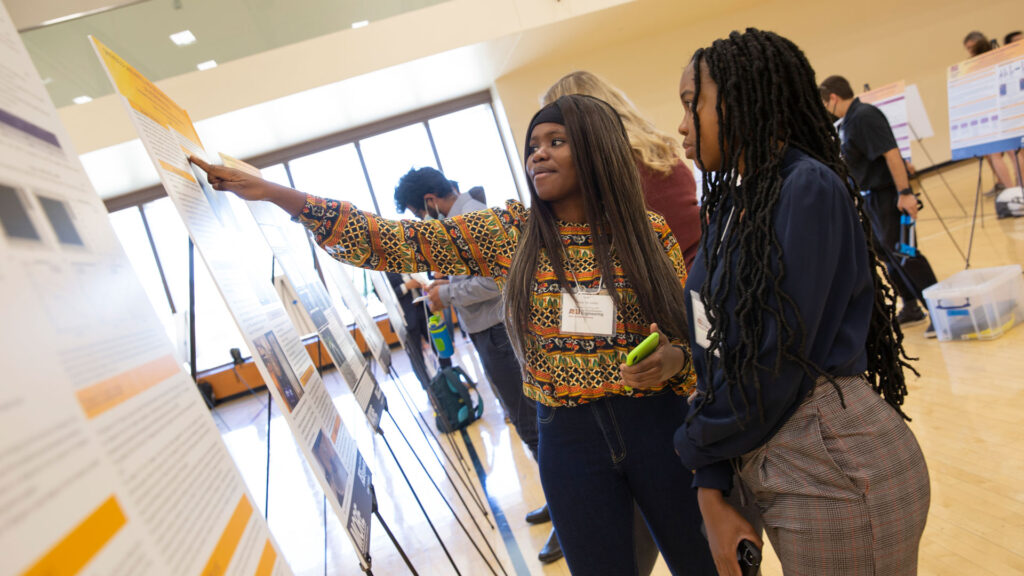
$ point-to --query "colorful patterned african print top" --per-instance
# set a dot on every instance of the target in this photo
(561, 369)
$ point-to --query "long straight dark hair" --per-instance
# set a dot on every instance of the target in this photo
(614, 205)
(767, 97)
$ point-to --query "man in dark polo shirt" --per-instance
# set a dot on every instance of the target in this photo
(871, 152)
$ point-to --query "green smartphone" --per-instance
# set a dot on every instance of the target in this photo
(643, 349)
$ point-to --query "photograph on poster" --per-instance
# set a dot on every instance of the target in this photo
(59, 215)
(273, 357)
(329, 461)
(331, 343)
(14, 219)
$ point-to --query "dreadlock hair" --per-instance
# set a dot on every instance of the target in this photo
(614, 206)
(768, 100)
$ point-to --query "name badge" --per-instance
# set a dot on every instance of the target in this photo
(701, 324)
(590, 314)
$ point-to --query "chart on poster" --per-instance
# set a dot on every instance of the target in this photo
(290, 244)
(892, 101)
(986, 103)
(167, 133)
(110, 462)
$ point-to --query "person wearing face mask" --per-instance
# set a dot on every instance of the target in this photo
(870, 150)
(429, 196)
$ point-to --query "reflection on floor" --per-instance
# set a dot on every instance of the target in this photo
(966, 408)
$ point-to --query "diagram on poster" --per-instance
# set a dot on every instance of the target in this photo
(169, 138)
(110, 462)
(291, 246)
(986, 103)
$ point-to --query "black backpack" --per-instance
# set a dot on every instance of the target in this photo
(454, 407)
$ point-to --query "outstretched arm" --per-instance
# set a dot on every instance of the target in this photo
(250, 187)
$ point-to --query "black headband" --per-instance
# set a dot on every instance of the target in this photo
(550, 113)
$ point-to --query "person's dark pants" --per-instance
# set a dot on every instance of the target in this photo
(595, 460)
(502, 368)
(416, 332)
(910, 278)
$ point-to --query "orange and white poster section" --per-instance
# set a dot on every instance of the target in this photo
(905, 112)
(167, 134)
(986, 103)
(291, 246)
(110, 463)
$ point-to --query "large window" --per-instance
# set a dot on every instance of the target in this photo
(363, 169)
(471, 152)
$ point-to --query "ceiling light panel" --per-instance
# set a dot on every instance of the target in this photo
(183, 38)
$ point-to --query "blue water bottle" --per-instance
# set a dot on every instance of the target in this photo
(907, 246)
(439, 334)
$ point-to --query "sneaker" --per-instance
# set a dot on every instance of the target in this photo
(929, 332)
(910, 316)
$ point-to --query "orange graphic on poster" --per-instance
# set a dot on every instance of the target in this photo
(102, 396)
(144, 96)
(217, 565)
(76, 549)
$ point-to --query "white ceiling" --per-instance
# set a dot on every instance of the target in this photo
(226, 30)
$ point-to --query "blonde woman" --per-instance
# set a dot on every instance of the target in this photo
(669, 188)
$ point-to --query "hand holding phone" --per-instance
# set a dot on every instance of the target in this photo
(643, 349)
(749, 557)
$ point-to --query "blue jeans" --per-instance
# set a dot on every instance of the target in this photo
(595, 460)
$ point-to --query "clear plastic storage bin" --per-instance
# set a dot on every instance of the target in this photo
(977, 304)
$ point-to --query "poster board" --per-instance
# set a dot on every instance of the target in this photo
(387, 296)
(110, 462)
(339, 275)
(290, 244)
(891, 100)
(986, 103)
(167, 133)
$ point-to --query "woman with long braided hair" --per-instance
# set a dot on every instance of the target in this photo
(800, 361)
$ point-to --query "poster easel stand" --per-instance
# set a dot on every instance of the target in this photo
(928, 197)
(977, 198)
(465, 530)
(380, 519)
(942, 177)
(460, 470)
(445, 500)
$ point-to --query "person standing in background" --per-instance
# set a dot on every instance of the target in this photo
(873, 156)
(668, 184)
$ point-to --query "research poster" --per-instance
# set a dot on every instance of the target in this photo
(291, 246)
(340, 275)
(110, 462)
(386, 294)
(891, 99)
(986, 103)
(167, 133)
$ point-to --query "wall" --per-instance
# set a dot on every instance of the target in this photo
(872, 41)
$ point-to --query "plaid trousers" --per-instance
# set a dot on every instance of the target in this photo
(842, 491)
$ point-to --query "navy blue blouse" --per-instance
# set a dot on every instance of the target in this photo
(825, 256)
